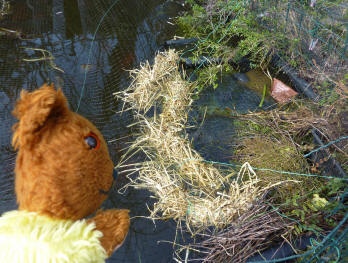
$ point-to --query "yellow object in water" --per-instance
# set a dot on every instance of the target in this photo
(26, 237)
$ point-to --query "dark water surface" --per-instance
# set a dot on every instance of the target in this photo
(214, 132)
(92, 44)
(86, 47)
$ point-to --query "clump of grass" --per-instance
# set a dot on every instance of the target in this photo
(272, 154)
(186, 188)
(293, 123)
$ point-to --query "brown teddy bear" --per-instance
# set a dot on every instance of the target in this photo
(63, 174)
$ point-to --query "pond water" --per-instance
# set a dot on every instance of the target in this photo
(86, 47)
(212, 114)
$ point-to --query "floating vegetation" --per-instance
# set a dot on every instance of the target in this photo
(10, 33)
(46, 56)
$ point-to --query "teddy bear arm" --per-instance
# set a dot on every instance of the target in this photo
(114, 225)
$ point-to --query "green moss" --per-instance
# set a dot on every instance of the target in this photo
(247, 128)
(280, 155)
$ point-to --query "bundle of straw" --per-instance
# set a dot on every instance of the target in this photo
(186, 188)
(249, 234)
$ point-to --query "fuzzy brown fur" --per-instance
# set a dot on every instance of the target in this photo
(114, 225)
(57, 172)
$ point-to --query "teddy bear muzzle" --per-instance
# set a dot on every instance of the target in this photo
(114, 176)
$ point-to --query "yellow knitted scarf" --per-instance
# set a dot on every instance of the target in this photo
(30, 238)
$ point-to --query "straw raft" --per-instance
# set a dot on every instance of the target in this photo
(186, 187)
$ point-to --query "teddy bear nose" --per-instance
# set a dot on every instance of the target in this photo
(114, 174)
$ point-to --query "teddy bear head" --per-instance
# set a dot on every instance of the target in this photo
(63, 169)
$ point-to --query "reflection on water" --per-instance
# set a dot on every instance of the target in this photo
(58, 41)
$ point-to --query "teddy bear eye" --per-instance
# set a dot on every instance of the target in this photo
(92, 140)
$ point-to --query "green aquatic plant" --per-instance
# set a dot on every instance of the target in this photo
(263, 95)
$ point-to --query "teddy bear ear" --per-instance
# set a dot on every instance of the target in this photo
(33, 109)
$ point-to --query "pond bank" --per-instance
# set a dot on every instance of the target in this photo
(277, 142)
